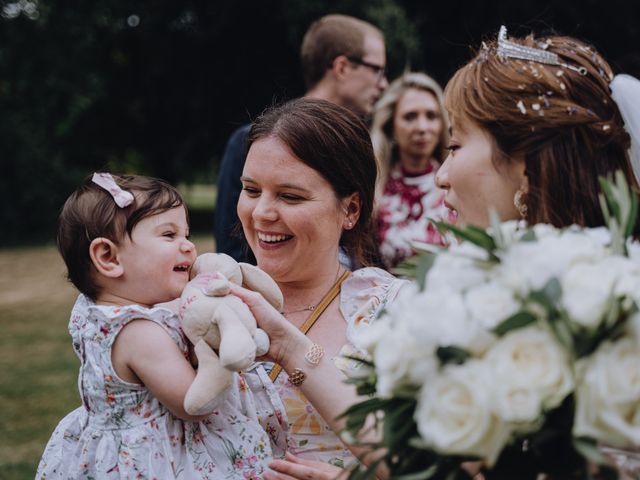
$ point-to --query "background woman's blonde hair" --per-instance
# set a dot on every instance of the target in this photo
(382, 126)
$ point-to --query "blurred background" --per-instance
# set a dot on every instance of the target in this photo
(156, 88)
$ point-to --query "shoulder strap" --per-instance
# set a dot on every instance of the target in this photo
(322, 306)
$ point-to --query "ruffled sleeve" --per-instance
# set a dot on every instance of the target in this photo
(364, 295)
(104, 323)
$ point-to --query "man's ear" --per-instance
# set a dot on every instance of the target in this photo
(104, 256)
(339, 66)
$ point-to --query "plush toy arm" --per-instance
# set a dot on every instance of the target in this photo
(211, 380)
(262, 342)
(237, 347)
(259, 281)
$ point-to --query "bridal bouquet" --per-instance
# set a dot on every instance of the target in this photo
(516, 354)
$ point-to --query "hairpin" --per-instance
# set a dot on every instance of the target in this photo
(120, 196)
(507, 49)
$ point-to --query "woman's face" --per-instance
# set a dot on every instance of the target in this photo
(289, 213)
(417, 124)
(473, 184)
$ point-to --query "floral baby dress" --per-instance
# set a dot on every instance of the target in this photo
(122, 431)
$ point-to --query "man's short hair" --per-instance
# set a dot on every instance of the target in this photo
(328, 38)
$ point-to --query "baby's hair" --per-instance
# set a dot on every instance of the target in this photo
(91, 212)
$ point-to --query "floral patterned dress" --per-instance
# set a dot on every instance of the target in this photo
(123, 431)
(362, 296)
(404, 210)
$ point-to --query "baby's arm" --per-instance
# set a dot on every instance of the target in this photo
(144, 353)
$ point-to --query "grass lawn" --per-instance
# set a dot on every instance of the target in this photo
(38, 385)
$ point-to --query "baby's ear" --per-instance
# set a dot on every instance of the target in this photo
(104, 256)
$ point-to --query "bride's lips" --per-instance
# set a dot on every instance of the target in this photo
(453, 212)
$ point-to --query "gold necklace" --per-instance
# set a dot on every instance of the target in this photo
(312, 307)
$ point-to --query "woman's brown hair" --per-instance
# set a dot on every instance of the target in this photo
(335, 143)
(565, 124)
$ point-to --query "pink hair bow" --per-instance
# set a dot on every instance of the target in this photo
(120, 196)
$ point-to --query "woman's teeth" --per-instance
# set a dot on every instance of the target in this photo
(272, 238)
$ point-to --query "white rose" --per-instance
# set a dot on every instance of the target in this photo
(600, 235)
(608, 395)
(545, 230)
(633, 328)
(530, 265)
(633, 249)
(588, 287)
(529, 359)
(440, 318)
(490, 304)
(368, 338)
(457, 268)
(454, 414)
(400, 361)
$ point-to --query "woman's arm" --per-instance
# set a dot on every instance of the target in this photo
(324, 384)
(144, 353)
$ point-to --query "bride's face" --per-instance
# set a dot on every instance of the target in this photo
(472, 182)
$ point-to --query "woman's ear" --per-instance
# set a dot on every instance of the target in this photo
(104, 256)
(351, 205)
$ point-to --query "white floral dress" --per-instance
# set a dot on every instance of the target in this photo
(362, 296)
(123, 431)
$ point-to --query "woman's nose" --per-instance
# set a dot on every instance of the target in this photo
(264, 210)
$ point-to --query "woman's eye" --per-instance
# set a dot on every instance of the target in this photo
(252, 192)
(289, 197)
(410, 116)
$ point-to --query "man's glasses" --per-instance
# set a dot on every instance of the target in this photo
(378, 70)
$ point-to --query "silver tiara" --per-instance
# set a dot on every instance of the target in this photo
(507, 49)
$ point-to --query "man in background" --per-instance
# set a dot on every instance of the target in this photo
(343, 61)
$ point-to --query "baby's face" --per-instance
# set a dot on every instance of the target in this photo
(157, 258)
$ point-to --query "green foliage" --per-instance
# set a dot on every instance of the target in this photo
(619, 204)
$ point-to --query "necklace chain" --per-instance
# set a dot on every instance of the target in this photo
(309, 308)
(312, 307)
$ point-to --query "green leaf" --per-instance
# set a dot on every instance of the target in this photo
(472, 234)
(553, 290)
(588, 448)
(452, 354)
(619, 204)
(515, 321)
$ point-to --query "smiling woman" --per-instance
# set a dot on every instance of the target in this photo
(308, 188)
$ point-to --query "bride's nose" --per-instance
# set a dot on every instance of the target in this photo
(442, 176)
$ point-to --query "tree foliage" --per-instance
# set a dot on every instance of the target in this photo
(157, 87)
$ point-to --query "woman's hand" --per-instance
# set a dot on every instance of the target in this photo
(293, 467)
(283, 336)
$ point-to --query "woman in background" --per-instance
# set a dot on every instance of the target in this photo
(410, 136)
